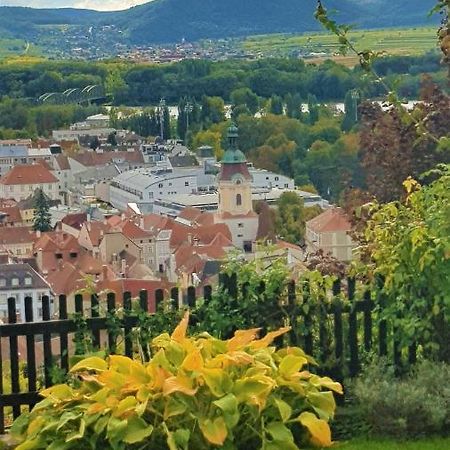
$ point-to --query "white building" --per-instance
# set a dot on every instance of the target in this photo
(23, 180)
(19, 281)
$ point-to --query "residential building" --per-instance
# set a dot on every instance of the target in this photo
(329, 232)
(23, 180)
(20, 281)
(17, 241)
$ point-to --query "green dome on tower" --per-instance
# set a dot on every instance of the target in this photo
(233, 155)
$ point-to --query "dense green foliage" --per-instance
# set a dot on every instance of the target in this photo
(195, 393)
(42, 217)
(405, 408)
(408, 245)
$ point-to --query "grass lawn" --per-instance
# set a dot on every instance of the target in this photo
(426, 444)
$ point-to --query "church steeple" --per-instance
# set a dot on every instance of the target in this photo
(233, 155)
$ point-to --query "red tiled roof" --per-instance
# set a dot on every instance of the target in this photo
(63, 162)
(44, 164)
(227, 171)
(130, 230)
(75, 220)
(13, 213)
(28, 174)
(156, 222)
(331, 220)
(95, 231)
(16, 235)
(100, 159)
(190, 213)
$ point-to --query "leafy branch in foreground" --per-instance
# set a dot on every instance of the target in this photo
(367, 57)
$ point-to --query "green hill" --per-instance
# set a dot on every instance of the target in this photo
(172, 20)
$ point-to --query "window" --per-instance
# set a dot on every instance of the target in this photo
(286, 185)
(186, 183)
(58, 255)
(28, 281)
(2, 282)
(277, 178)
(160, 185)
(15, 281)
(240, 225)
(73, 255)
(240, 235)
(238, 199)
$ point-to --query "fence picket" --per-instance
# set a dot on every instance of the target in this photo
(31, 350)
(48, 362)
(127, 328)
(64, 338)
(14, 354)
(353, 330)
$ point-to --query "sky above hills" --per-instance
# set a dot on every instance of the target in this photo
(101, 5)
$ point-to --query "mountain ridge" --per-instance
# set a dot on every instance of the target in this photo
(162, 21)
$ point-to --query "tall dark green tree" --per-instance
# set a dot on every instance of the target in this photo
(351, 111)
(313, 109)
(276, 105)
(42, 217)
(294, 106)
(167, 126)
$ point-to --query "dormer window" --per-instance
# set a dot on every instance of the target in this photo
(28, 281)
(58, 255)
(238, 200)
(15, 282)
(2, 282)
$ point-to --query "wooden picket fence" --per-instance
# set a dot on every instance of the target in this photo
(352, 332)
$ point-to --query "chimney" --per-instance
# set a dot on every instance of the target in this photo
(104, 272)
(123, 268)
(142, 223)
(38, 233)
(189, 238)
(89, 217)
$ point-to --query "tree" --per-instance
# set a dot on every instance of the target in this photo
(94, 144)
(351, 111)
(408, 248)
(313, 109)
(112, 140)
(276, 105)
(42, 217)
(391, 148)
(245, 96)
(289, 222)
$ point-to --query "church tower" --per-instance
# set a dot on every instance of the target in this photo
(235, 195)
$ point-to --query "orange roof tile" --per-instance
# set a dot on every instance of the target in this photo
(16, 235)
(331, 220)
(28, 174)
(100, 159)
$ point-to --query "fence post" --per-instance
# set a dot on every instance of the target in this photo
(64, 341)
(338, 329)
(14, 354)
(31, 350)
(127, 328)
(191, 297)
(111, 307)
(207, 293)
(367, 321)
(95, 313)
(80, 337)
(47, 342)
(353, 330)
(307, 316)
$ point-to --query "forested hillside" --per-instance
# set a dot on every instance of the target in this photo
(172, 20)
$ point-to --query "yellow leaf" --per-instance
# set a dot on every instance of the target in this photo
(217, 380)
(193, 361)
(93, 363)
(58, 392)
(179, 334)
(120, 363)
(215, 431)
(291, 364)
(242, 338)
(178, 383)
(268, 338)
(319, 430)
(125, 405)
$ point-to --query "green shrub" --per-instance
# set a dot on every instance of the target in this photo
(195, 393)
(415, 405)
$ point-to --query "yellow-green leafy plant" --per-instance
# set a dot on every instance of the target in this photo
(195, 393)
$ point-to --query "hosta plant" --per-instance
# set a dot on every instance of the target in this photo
(195, 393)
